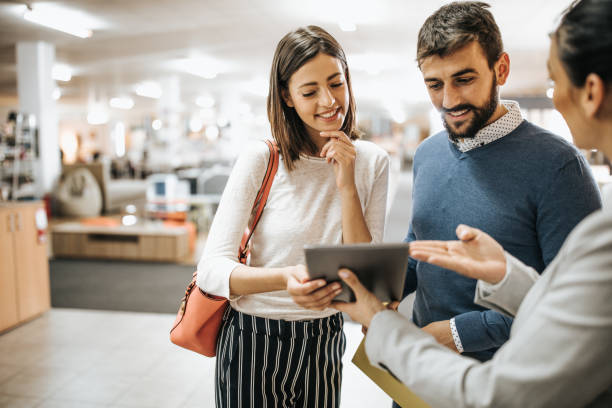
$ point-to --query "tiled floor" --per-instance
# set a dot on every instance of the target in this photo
(71, 358)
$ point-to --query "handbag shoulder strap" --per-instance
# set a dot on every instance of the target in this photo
(260, 201)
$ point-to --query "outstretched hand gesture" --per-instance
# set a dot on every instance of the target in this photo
(476, 255)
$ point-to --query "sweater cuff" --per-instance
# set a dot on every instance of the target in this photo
(472, 333)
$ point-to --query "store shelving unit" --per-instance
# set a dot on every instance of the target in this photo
(19, 157)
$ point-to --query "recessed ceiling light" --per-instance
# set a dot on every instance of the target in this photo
(57, 20)
(122, 102)
(148, 89)
(97, 117)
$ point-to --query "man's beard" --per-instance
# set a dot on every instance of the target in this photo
(481, 115)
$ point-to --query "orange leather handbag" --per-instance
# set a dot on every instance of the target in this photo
(200, 315)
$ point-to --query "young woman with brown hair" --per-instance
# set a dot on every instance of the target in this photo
(280, 343)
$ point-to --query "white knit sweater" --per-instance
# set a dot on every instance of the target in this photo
(303, 208)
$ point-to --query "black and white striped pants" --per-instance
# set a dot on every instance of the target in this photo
(276, 363)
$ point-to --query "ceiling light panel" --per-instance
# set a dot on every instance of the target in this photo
(204, 67)
(148, 89)
(122, 102)
(67, 20)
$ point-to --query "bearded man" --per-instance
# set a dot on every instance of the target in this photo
(490, 169)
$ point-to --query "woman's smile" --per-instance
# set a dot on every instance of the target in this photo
(330, 115)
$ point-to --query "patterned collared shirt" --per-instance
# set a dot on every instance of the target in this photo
(496, 130)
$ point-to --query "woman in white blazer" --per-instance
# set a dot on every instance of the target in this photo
(560, 349)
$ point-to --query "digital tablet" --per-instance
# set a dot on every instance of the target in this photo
(380, 267)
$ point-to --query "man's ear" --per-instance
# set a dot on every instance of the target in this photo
(502, 68)
(287, 98)
(593, 95)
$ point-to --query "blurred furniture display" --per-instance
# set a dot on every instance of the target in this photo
(211, 184)
(191, 177)
(78, 194)
(212, 181)
(167, 197)
(19, 156)
(190, 227)
(24, 268)
(116, 193)
(151, 241)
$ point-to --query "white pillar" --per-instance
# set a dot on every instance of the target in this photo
(170, 111)
(35, 89)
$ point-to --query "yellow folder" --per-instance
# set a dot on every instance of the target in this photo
(395, 389)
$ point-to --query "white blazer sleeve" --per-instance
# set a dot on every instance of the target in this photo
(220, 255)
(558, 354)
(507, 295)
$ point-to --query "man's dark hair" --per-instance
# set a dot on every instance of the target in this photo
(457, 24)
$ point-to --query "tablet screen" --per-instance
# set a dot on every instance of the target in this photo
(380, 267)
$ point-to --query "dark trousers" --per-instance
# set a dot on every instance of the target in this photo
(276, 363)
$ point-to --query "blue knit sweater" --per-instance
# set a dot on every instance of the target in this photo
(527, 190)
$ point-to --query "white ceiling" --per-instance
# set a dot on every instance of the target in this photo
(136, 40)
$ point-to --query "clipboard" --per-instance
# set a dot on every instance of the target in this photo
(394, 388)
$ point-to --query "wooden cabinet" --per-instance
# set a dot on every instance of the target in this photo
(24, 267)
(8, 281)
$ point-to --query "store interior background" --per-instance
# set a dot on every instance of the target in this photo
(114, 149)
